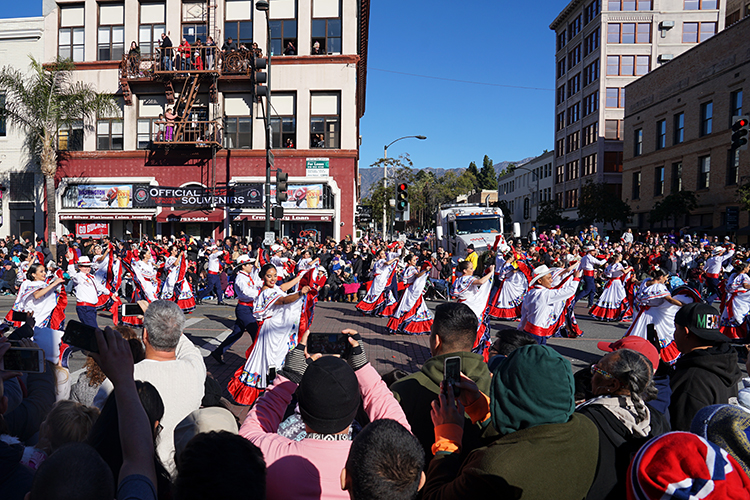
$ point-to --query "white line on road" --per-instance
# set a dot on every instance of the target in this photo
(208, 346)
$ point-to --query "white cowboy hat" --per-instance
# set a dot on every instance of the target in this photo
(84, 261)
(244, 259)
(718, 250)
(589, 248)
(539, 272)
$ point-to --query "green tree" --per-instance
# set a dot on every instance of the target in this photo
(673, 206)
(473, 170)
(41, 104)
(549, 214)
(598, 204)
(398, 170)
(488, 176)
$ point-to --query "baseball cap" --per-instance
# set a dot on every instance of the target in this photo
(702, 320)
(634, 343)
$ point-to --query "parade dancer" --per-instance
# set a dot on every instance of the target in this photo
(713, 267)
(587, 266)
(38, 296)
(513, 282)
(544, 307)
(379, 300)
(176, 288)
(612, 304)
(475, 293)
(412, 315)
(213, 282)
(87, 292)
(734, 317)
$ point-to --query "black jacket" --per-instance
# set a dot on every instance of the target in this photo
(702, 377)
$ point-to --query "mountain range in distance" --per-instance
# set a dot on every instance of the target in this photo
(370, 176)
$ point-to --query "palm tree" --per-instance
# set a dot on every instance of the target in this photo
(43, 102)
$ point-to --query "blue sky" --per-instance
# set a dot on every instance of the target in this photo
(501, 43)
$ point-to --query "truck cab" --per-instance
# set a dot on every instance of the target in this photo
(459, 225)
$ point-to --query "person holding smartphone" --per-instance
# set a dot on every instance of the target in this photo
(281, 315)
(36, 296)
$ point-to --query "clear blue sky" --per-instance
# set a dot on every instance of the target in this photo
(493, 42)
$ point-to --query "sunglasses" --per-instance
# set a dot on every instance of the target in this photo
(596, 369)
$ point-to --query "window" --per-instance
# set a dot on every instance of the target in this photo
(591, 42)
(574, 56)
(149, 123)
(561, 120)
(70, 36)
(284, 28)
(629, 33)
(629, 5)
(701, 4)
(679, 128)
(704, 172)
(111, 36)
(636, 185)
(238, 21)
(562, 39)
(591, 11)
(591, 73)
(574, 113)
(661, 134)
(70, 138)
(326, 27)
(676, 177)
(575, 27)
(561, 94)
(589, 164)
(613, 161)
(151, 27)
(574, 85)
(733, 167)
(707, 113)
(591, 103)
(612, 129)
(735, 105)
(2, 115)
(659, 181)
(590, 133)
(628, 65)
(573, 141)
(638, 142)
(108, 134)
(697, 32)
(194, 22)
(642, 65)
(572, 170)
(238, 122)
(560, 67)
(615, 97)
(283, 121)
(560, 148)
(571, 198)
(324, 120)
(559, 199)
(560, 174)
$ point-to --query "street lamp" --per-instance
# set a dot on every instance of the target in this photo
(385, 171)
(263, 5)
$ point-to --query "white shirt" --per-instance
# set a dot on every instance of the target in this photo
(86, 289)
(715, 263)
(246, 287)
(589, 261)
(214, 266)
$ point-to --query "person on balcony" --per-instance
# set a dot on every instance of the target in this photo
(166, 52)
(134, 59)
(183, 54)
(198, 56)
(171, 117)
(290, 50)
(210, 52)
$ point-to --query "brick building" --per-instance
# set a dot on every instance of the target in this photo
(601, 47)
(678, 132)
(127, 174)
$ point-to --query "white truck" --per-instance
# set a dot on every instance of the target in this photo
(458, 225)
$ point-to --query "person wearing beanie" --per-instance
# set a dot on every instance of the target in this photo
(329, 391)
(727, 426)
(682, 465)
(707, 372)
(531, 406)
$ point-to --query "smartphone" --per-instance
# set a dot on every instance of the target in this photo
(24, 359)
(131, 310)
(82, 336)
(452, 372)
(271, 375)
(21, 316)
(329, 343)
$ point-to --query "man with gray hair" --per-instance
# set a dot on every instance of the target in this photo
(174, 366)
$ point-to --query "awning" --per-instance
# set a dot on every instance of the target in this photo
(301, 217)
(191, 216)
(89, 216)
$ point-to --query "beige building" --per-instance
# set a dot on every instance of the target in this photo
(22, 200)
(524, 188)
(601, 47)
(678, 132)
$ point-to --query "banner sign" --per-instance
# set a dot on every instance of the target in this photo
(316, 167)
(286, 218)
(301, 196)
(239, 195)
(102, 196)
(93, 230)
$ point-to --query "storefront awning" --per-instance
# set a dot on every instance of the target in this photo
(303, 217)
(88, 216)
(190, 216)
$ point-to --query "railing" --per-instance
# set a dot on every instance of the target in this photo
(181, 61)
(199, 133)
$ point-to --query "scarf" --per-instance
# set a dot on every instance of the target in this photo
(623, 409)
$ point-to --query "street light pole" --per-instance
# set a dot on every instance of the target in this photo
(263, 5)
(385, 175)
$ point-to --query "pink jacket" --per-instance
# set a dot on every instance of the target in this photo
(310, 468)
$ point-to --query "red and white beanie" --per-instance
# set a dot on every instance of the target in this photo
(684, 466)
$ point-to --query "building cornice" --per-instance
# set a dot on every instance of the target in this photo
(35, 34)
(564, 14)
(235, 153)
(364, 30)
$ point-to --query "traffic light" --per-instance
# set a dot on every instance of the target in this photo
(278, 212)
(281, 179)
(259, 77)
(402, 198)
(740, 128)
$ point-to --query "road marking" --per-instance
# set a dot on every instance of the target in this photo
(212, 342)
(191, 321)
